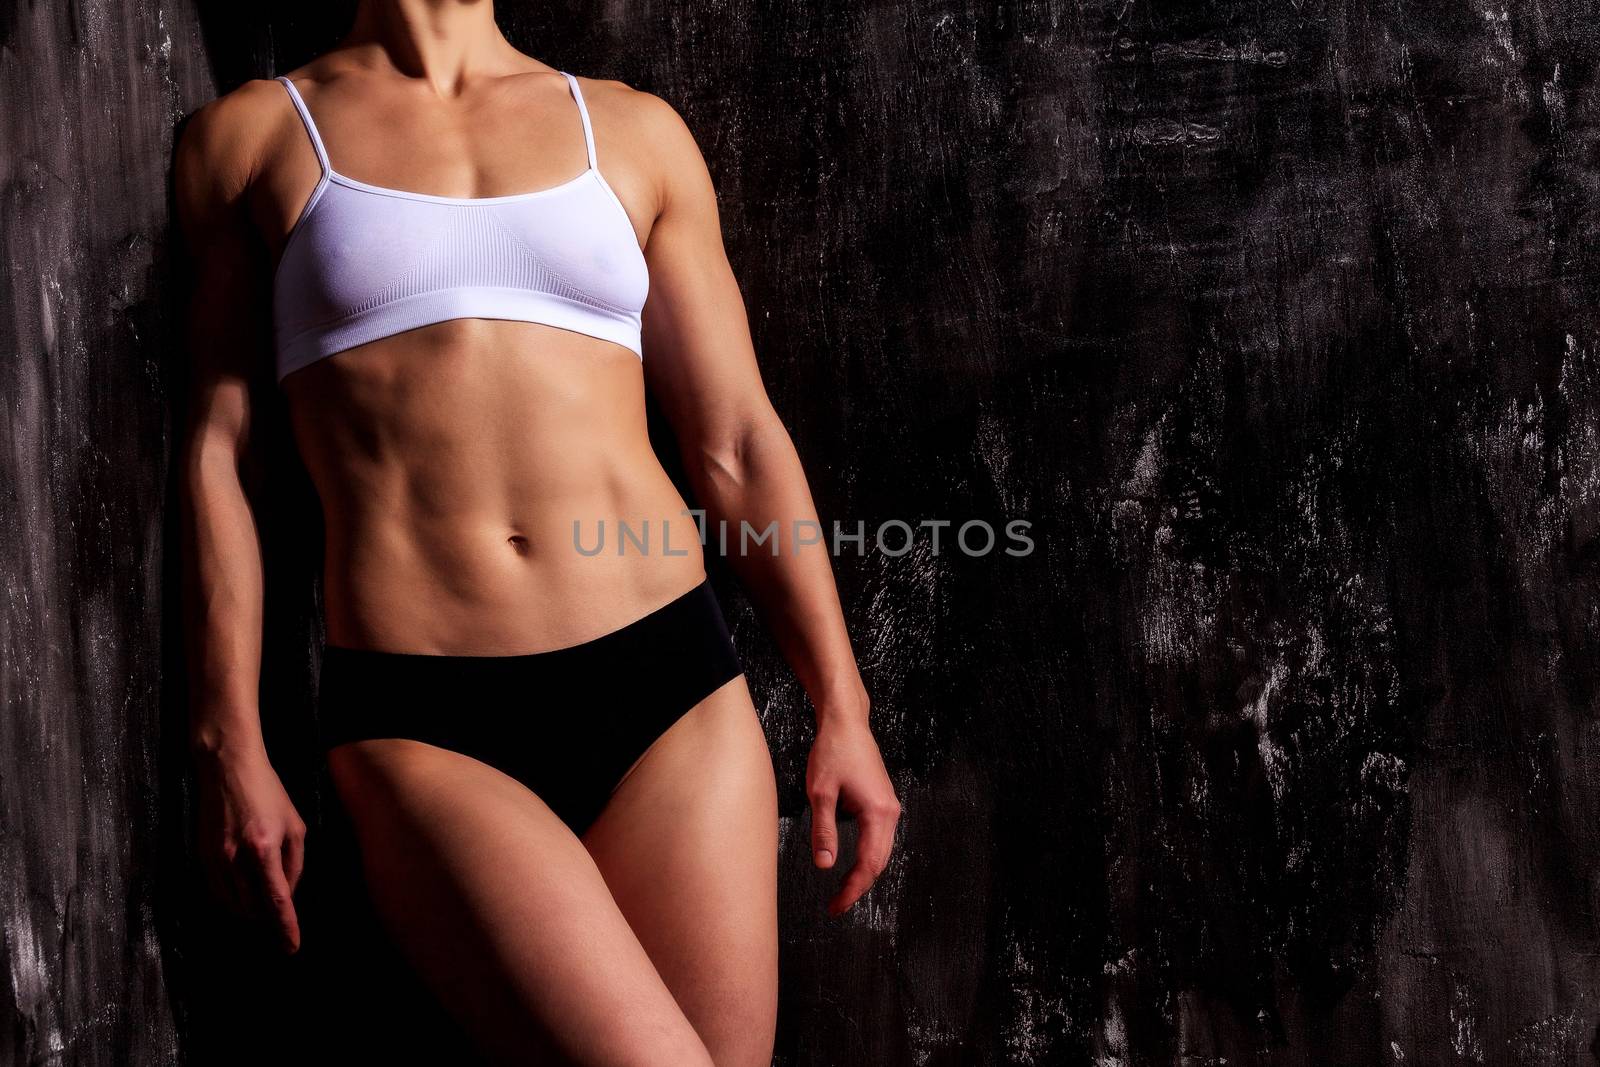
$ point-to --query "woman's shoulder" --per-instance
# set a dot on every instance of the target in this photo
(226, 139)
(637, 116)
(242, 106)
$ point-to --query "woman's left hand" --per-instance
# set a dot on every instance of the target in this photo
(845, 771)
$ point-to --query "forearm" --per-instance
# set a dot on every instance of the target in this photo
(755, 482)
(222, 600)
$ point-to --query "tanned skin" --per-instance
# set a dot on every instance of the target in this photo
(451, 462)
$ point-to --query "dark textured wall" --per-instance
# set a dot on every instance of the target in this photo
(1278, 323)
(88, 98)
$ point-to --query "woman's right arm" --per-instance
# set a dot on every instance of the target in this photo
(251, 837)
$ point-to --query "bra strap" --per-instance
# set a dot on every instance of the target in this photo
(311, 127)
(583, 112)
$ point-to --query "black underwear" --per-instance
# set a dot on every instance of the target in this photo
(567, 723)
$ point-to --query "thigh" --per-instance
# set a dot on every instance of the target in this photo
(503, 912)
(688, 845)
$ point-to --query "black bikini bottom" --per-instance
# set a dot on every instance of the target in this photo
(567, 723)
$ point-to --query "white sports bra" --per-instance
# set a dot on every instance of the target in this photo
(364, 262)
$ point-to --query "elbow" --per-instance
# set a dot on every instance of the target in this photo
(208, 456)
(215, 465)
(734, 458)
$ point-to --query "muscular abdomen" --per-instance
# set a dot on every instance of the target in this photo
(453, 462)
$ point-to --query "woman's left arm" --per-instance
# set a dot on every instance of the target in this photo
(700, 364)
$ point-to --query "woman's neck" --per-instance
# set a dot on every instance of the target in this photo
(445, 42)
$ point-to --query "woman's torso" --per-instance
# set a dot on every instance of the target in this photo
(469, 468)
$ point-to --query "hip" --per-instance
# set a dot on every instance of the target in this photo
(570, 723)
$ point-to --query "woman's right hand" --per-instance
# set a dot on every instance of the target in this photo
(252, 841)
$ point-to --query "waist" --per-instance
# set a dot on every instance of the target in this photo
(689, 621)
(543, 576)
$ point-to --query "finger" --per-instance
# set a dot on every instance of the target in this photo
(277, 897)
(872, 856)
(824, 832)
(294, 858)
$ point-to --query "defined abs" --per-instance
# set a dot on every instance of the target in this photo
(485, 584)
